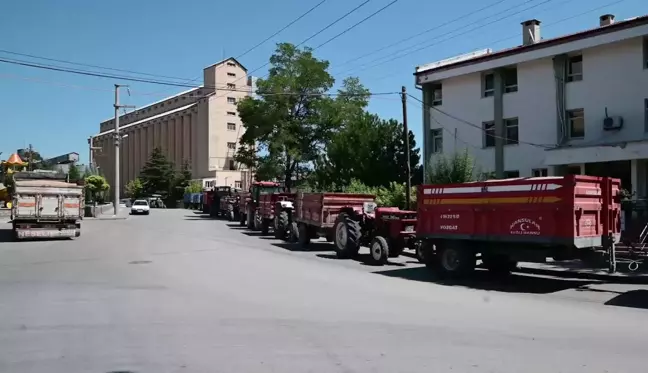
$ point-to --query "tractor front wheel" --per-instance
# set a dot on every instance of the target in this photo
(348, 233)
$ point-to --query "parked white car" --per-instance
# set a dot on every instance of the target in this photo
(140, 206)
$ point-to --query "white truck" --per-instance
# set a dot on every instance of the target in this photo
(46, 206)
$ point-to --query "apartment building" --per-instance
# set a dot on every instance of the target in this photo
(200, 126)
(572, 104)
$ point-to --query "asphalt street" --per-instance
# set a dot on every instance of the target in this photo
(175, 292)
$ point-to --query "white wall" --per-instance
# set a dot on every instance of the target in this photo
(613, 77)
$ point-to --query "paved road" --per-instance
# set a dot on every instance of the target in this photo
(174, 292)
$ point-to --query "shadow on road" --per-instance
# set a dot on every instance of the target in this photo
(484, 280)
(312, 247)
(255, 234)
(6, 235)
(364, 259)
(235, 226)
(633, 299)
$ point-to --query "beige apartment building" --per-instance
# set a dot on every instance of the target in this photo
(200, 126)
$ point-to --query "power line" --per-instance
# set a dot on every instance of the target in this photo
(476, 125)
(397, 55)
(357, 24)
(517, 35)
(312, 36)
(421, 33)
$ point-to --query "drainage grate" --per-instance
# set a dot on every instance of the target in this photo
(138, 262)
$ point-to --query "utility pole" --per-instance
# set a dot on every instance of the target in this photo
(117, 139)
(31, 158)
(408, 168)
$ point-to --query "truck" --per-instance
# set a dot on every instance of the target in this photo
(276, 212)
(507, 221)
(46, 206)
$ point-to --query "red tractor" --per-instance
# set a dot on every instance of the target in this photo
(251, 203)
(352, 221)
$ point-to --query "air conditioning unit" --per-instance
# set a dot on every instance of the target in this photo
(612, 123)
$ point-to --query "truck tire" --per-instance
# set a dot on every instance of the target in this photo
(303, 238)
(379, 251)
(420, 253)
(455, 260)
(281, 225)
(347, 236)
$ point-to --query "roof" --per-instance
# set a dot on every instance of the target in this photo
(149, 118)
(156, 102)
(227, 59)
(546, 43)
(14, 159)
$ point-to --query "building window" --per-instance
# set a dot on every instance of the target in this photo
(576, 120)
(511, 174)
(232, 165)
(575, 69)
(237, 184)
(231, 64)
(488, 83)
(231, 100)
(437, 95)
(231, 86)
(231, 113)
(511, 128)
(231, 74)
(231, 145)
(437, 140)
(539, 172)
(489, 134)
(510, 80)
(231, 126)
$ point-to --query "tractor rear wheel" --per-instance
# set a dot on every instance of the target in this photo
(281, 225)
(348, 233)
(250, 218)
(379, 250)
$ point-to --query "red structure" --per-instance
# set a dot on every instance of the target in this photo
(526, 219)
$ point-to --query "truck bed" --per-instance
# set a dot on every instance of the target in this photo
(322, 209)
(572, 210)
(47, 200)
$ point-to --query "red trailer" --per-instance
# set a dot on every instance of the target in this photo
(208, 198)
(276, 212)
(511, 220)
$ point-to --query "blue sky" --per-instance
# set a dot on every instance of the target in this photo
(56, 112)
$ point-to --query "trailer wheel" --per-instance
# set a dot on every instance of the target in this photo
(302, 236)
(455, 259)
(420, 252)
(258, 221)
(281, 225)
(379, 250)
(347, 236)
(242, 218)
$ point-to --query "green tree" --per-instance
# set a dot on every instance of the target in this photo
(97, 186)
(456, 168)
(292, 119)
(157, 175)
(74, 173)
(370, 150)
(135, 188)
(182, 180)
(193, 187)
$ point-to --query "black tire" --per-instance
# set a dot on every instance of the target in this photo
(293, 232)
(347, 235)
(303, 238)
(396, 248)
(146, 213)
(265, 226)
(455, 260)
(77, 233)
(242, 219)
(420, 252)
(379, 251)
(281, 225)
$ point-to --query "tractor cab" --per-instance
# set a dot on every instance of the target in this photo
(259, 187)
